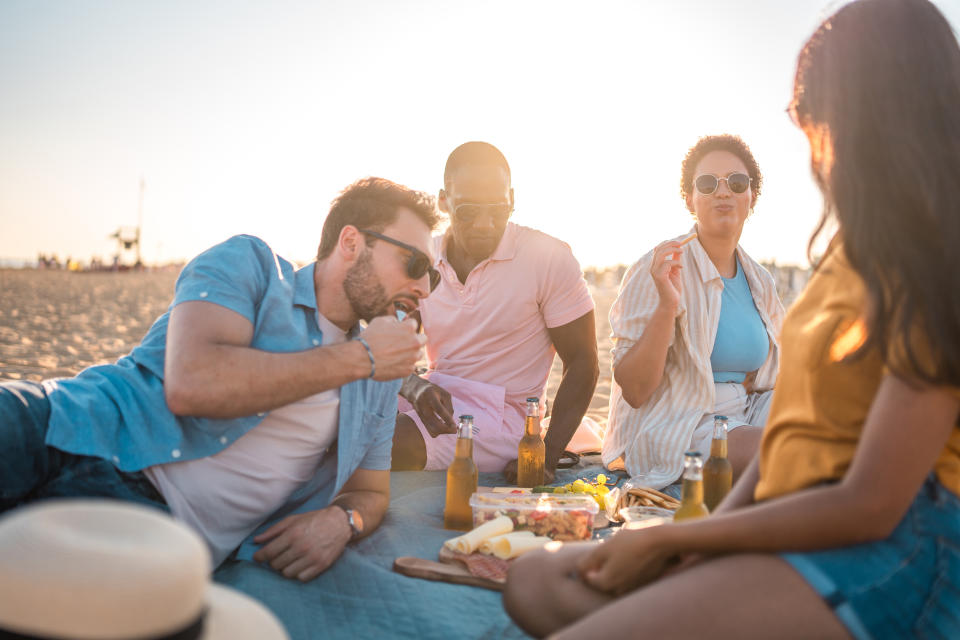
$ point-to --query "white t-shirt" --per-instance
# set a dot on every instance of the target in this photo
(227, 495)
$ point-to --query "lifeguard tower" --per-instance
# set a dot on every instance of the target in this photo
(128, 238)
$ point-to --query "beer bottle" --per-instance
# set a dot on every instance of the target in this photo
(461, 480)
(691, 500)
(531, 452)
(717, 472)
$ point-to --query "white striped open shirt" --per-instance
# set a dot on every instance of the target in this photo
(653, 437)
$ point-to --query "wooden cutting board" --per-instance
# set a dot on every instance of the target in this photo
(443, 572)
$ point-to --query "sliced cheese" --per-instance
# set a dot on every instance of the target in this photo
(470, 541)
(511, 545)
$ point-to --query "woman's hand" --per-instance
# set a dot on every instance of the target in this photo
(630, 559)
(665, 271)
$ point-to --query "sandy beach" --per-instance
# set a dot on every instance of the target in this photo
(56, 323)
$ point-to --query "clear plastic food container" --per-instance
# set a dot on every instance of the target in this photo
(560, 516)
(638, 517)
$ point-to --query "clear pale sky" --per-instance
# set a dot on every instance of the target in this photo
(249, 117)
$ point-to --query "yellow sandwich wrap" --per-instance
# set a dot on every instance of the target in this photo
(470, 541)
(511, 545)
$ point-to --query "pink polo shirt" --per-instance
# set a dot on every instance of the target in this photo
(493, 328)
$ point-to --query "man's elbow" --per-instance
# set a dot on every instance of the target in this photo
(181, 396)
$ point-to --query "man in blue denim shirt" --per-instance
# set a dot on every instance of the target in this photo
(249, 342)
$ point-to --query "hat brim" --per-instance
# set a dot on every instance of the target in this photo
(232, 615)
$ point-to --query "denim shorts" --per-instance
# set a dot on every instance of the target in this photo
(906, 586)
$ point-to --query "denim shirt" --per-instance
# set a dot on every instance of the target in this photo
(118, 412)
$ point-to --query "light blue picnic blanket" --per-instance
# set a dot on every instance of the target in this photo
(361, 596)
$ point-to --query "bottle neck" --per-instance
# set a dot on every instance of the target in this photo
(718, 448)
(532, 425)
(464, 448)
(692, 492)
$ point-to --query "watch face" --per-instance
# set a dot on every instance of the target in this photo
(355, 520)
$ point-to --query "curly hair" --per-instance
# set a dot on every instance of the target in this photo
(724, 142)
(373, 203)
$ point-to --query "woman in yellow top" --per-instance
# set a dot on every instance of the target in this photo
(848, 523)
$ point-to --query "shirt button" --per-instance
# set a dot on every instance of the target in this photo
(203, 294)
(223, 439)
(175, 453)
(261, 414)
(316, 342)
(116, 459)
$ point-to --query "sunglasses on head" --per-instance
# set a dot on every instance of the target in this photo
(468, 212)
(707, 183)
(418, 263)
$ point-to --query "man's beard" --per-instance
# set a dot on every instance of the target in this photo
(366, 294)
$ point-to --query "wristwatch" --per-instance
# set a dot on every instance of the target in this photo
(355, 520)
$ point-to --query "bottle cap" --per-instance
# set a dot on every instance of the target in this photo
(537, 400)
(466, 417)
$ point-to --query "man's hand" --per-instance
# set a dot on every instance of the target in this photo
(305, 545)
(395, 345)
(432, 403)
(510, 471)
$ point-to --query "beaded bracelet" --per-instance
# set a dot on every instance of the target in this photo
(373, 365)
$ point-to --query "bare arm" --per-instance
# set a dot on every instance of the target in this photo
(576, 344)
(866, 505)
(640, 371)
(367, 491)
(212, 371)
(304, 545)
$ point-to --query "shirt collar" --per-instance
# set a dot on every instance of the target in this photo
(705, 267)
(304, 294)
(506, 249)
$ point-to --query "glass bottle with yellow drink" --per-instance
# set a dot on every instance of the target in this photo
(691, 498)
(717, 472)
(461, 480)
(531, 451)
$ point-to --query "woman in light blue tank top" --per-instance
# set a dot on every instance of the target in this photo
(695, 328)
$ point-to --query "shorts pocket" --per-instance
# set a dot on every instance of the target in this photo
(940, 616)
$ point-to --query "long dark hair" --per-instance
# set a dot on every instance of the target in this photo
(877, 92)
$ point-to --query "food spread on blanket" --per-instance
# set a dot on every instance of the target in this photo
(487, 549)
(560, 517)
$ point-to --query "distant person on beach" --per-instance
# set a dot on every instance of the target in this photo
(256, 399)
(847, 524)
(510, 297)
(695, 328)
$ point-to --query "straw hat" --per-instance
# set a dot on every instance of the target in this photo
(84, 569)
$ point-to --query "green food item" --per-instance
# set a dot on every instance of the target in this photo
(542, 489)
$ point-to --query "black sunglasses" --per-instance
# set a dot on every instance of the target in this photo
(417, 264)
(468, 212)
(707, 183)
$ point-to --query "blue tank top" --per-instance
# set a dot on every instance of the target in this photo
(742, 343)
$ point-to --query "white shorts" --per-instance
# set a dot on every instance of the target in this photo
(740, 408)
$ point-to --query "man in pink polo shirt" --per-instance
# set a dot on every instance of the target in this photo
(509, 299)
